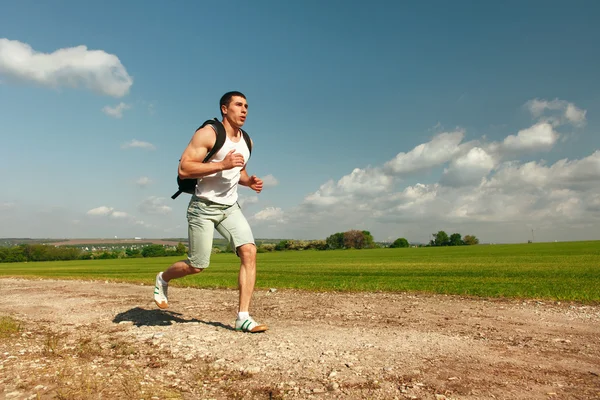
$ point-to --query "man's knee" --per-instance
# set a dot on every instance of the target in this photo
(194, 269)
(247, 251)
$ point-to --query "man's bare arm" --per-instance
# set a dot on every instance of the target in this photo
(191, 165)
(252, 182)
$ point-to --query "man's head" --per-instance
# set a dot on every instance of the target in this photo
(226, 99)
(234, 108)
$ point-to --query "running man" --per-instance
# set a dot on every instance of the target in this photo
(214, 206)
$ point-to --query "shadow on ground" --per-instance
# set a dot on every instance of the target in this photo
(142, 317)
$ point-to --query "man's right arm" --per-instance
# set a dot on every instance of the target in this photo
(191, 165)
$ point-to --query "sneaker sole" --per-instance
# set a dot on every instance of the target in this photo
(162, 304)
(256, 329)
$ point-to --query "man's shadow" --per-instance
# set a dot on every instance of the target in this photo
(154, 317)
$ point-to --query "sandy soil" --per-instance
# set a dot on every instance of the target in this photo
(89, 340)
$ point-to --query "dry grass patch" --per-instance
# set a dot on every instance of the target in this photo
(9, 326)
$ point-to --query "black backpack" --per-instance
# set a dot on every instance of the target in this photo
(189, 185)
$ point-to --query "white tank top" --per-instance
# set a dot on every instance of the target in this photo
(221, 187)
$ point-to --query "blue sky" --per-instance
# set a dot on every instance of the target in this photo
(394, 117)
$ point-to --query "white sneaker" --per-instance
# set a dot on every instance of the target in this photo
(160, 293)
(249, 325)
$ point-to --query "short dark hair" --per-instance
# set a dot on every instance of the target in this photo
(226, 99)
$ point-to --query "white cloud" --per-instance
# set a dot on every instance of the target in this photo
(116, 111)
(577, 174)
(469, 169)
(7, 206)
(439, 150)
(269, 181)
(325, 196)
(138, 144)
(575, 115)
(565, 112)
(368, 181)
(540, 136)
(119, 214)
(246, 201)
(73, 67)
(143, 181)
(103, 210)
(154, 205)
(414, 199)
(270, 214)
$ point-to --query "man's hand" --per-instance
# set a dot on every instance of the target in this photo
(232, 160)
(256, 184)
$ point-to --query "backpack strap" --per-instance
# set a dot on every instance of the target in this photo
(220, 140)
(248, 141)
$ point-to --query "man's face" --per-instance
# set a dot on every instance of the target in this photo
(236, 111)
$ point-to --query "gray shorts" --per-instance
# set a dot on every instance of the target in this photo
(203, 218)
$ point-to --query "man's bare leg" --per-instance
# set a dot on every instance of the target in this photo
(247, 276)
(179, 270)
(176, 270)
(246, 281)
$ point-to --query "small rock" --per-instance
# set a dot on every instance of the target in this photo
(318, 390)
(562, 340)
(12, 395)
(333, 387)
(272, 290)
(332, 374)
(126, 323)
(252, 370)
(440, 397)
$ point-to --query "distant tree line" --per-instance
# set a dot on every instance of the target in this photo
(442, 239)
(352, 239)
(42, 252)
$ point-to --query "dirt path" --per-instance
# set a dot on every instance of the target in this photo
(86, 340)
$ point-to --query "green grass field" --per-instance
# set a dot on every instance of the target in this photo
(558, 271)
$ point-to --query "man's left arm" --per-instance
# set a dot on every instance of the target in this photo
(253, 182)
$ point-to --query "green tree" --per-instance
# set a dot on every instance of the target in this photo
(369, 242)
(455, 240)
(180, 250)
(282, 245)
(400, 242)
(335, 241)
(133, 253)
(470, 240)
(440, 239)
(154, 250)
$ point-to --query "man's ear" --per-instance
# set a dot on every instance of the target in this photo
(224, 109)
